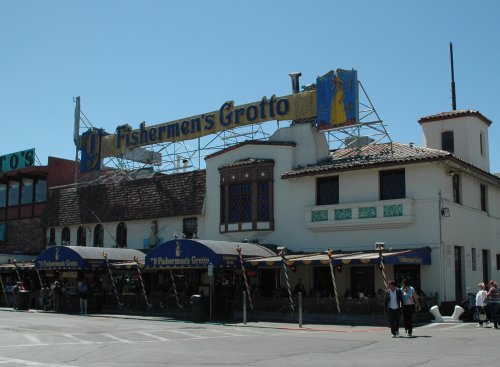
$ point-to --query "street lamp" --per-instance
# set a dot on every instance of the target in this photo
(379, 246)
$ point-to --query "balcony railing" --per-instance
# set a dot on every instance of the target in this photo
(366, 215)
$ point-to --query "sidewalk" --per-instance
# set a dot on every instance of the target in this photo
(331, 327)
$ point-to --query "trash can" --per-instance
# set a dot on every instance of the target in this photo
(198, 308)
(23, 300)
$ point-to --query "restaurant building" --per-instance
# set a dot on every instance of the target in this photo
(435, 209)
(439, 201)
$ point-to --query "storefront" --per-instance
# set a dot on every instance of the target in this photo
(70, 264)
(10, 274)
(212, 269)
(358, 276)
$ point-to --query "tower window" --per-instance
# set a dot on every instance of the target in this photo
(447, 141)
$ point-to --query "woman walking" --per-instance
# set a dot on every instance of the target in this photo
(493, 297)
(410, 301)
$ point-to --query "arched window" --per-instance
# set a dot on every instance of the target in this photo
(52, 237)
(65, 237)
(98, 236)
(121, 235)
(81, 236)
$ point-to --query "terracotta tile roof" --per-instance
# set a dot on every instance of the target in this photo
(246, 162)
(251, 142)
(179, 194)
(369, 156)
(455, 114)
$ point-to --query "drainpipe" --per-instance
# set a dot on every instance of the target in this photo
(442, 249)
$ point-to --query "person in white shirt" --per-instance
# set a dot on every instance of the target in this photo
(480, 304)
(393, 303)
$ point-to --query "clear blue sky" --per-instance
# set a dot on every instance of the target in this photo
(157, 61)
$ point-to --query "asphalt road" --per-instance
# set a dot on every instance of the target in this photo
(54, 340)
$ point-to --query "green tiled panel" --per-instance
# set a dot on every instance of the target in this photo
(393, 210)
(367, 212)
(319, 215)
(343, 214)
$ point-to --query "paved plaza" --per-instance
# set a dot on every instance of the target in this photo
(33, 338)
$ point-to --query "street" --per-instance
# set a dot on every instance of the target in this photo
(52, 340)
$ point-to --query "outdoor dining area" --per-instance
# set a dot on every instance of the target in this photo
(221, 276)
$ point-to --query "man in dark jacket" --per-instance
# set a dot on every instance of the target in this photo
(393, 303)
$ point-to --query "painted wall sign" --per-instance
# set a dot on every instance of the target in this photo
(18, 160)
(336, 100)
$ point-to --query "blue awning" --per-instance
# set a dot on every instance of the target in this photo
(83, 258)
(194, 253)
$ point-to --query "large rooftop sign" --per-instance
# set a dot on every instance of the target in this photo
(333, 103)
(18, 160)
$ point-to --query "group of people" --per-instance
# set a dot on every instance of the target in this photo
(53, 294)
(484, 298)
(406, 300)
(398, 300)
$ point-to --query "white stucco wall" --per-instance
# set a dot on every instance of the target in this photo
(466, 138)
(137, 231)
(426, 185)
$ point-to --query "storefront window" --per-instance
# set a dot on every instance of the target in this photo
(410, 273)
(27, 191)
(362, 281)
(41, 191)
(3, 195)
(13, 193)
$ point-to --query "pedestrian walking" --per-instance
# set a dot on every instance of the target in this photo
(83, 290)
(57, 293)
(410, 304)
(481, 304)
(393, 303)
(493, 297)
(18, 287)
(44, 296)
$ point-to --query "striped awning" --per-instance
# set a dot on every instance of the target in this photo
(420, 256)
(128, 265)
(18, 265)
